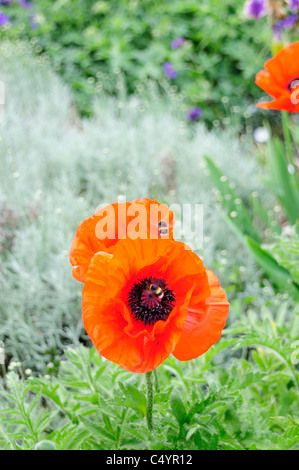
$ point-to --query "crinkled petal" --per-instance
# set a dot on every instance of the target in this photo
(106, 316)
(282, 103)
(108, 225)
(266, 82)
(204, 323)
(277, 78)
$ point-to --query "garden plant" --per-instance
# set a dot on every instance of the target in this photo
(149, 234)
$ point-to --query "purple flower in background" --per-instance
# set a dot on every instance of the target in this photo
(177, 42)
(294, 5)
(194, 113)
(34, 22)
(286, 23)
(255, 9)
(169, 70)
(25, 4)
(3, 19)
(5, 2)
(276, 34)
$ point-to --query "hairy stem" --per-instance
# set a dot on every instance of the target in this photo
(150, 400)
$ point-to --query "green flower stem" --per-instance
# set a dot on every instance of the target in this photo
(288, 138)
(150, 400)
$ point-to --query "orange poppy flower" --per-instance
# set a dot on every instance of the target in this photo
(151, 298)
(280, 79)
(142, 218)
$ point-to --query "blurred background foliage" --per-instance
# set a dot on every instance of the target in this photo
(88, 40)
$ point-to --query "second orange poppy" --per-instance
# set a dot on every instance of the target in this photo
(280, 80)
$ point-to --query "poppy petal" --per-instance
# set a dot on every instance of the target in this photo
(277, 78)
(282, 103)
(108, 225)
(204, 323)
(265, 81)
(287, 58)
(106, 316)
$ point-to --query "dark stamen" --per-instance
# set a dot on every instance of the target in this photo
(150, 300)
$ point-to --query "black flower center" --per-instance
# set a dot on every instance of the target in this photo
(150, 300)
(293, 84)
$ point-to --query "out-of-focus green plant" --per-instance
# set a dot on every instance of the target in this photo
(250, 224)
(282, 172)
(91, 42)
(286, 252)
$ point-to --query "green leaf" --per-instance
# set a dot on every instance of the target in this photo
(95, 429)
(280, 180)
(76, 440)
(279, 275)
(45, 445)
(135, 399)
(236, 209)
(205, 440)
(178, 408)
